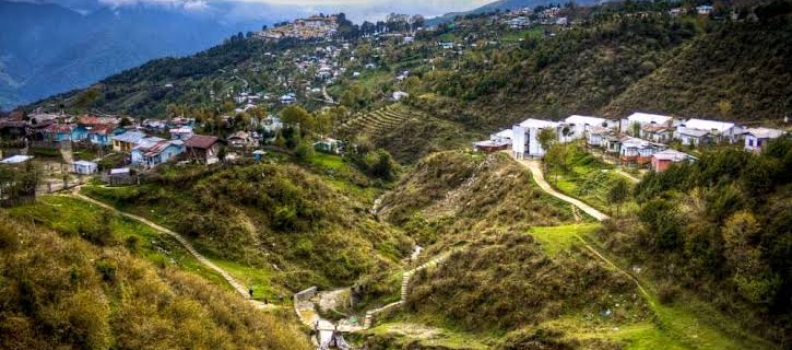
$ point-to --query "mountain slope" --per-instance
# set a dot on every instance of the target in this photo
(60, 291)
(739, 72)
(500, 5)
(48, 49)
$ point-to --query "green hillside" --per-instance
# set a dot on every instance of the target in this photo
(91, 281)
(612, 61)
(739, 72)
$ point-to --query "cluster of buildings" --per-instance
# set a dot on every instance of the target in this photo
(313, 27)
(641, 139)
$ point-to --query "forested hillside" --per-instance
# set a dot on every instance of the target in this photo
(738, 72)
(611, 62)
(720, 226)
(49, 49)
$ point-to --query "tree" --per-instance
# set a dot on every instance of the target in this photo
(635, 128)
(725, 108)
(619, 193)
(125, 121)
(304, 151)
(555, 159)
(298, 116)
(547, 137)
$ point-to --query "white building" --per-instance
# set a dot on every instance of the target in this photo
(757, 139)
(84, 167)
(644, 119)
(525, 137)
(717, 129)
(398, 95)
(580, 126)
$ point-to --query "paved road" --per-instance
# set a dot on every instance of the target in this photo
(536, 170)
(238, 287)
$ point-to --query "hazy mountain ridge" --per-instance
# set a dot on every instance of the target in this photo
(49, 49)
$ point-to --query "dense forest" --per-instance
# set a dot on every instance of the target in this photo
(720, 226)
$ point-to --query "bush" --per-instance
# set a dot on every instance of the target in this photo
(667, 293)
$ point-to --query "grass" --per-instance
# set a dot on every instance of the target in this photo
(689, 323)
(555, 239)
(66, 215)
(260, 279)
(344, 177)
(515, 36)
(589, 180)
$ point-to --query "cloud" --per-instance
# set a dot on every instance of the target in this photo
(356, 10)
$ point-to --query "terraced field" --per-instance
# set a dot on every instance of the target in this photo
(379, 121)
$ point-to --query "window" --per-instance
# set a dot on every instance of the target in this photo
(750, 143)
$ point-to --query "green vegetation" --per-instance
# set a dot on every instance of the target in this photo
(60, 291)
(74, 218)
(749, 49)
(556, 239)
(452, 196)
(266, 215)
(580, 174)
(503, 283)
(407, 133)
(723, 223)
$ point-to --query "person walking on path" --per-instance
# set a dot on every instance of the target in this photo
(251, 292)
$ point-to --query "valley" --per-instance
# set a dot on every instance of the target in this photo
(605, 177)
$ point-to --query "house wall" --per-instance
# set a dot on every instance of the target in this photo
(137, 157)
(519, 141)
(752, 143)
(659, 165)
(79, 134)
(689, 140)
(534, 148)
(169, 153)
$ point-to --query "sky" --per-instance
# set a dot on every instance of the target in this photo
(356, 10)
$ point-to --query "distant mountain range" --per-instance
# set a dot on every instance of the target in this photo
(49, 48)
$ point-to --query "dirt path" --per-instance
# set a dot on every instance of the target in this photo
(238, 287)
(536, 170)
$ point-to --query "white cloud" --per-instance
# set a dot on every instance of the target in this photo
(357, 10)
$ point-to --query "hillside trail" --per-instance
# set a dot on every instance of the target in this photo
(238, 286)
(536, 171)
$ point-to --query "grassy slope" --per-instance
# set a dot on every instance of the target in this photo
(60, 291)
(414, 134)
(453, 196)
(743, 64)
(588, 179)
(273, 223)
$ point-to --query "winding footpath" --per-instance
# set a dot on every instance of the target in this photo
(536, 170)
(238, 287)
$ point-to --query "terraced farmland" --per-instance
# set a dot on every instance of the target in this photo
(379, 121)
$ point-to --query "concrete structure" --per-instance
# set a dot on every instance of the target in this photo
(757, 139)
(662, 160)
(84, 167)
(644, 119)
(525, 137)
(580, 125)
(127, 141)
(718, 130)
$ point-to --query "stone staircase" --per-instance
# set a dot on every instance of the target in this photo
(370, 318)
